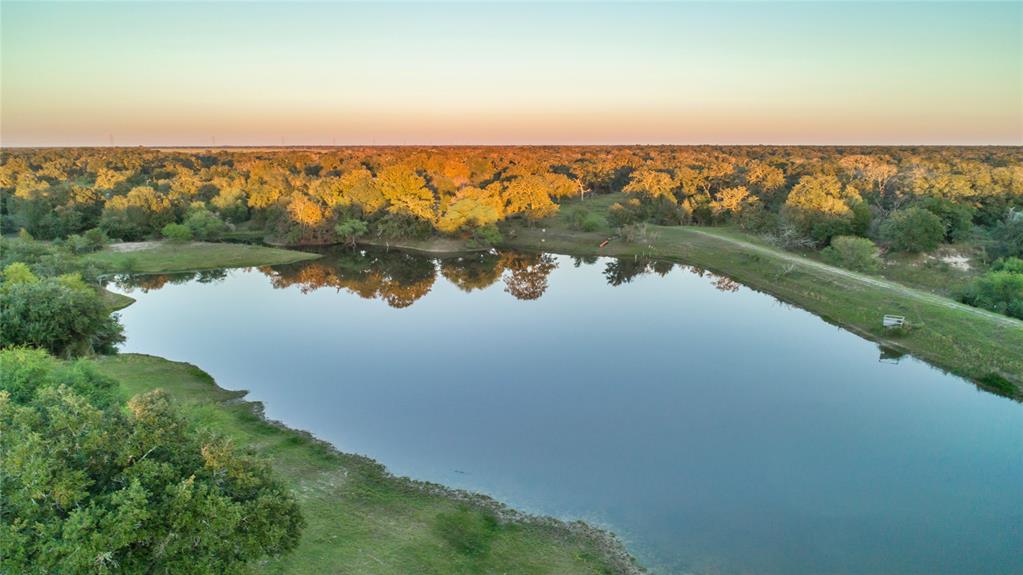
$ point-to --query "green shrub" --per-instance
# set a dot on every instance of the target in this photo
(913, 230)
(94, 485)
(999, 290)
(96, 238)
(575, 217)
(77, 245)
(24, 370)
(957, 218)
(177, 232)
(998, 384)
(61, 315)
(584, 220)
(402, 226)
(1007, 237)
(621, 214)
(204, 224)
(486, 236)
(18, 273)
(591, 223)
(851, 252)
(350, 230)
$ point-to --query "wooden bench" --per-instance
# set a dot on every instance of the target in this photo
(890, 321)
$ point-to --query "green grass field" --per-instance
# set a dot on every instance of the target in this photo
(982, 346)
(168, 257)
(360, 518)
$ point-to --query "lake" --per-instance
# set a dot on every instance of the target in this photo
(712, 427)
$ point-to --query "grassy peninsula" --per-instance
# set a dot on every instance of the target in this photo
(169, 257)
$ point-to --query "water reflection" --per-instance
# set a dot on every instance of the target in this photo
(400, 279)
(148, 282)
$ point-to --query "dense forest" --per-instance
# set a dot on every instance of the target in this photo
(847, 202)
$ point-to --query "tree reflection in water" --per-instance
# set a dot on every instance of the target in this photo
(400, 279)
(147, 282)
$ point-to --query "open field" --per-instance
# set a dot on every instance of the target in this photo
(167, 257)
(436, 247)
(360, 518)
(974, 343)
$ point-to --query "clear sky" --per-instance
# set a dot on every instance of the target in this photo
(509, 73)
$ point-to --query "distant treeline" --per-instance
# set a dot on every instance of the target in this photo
(323, 196)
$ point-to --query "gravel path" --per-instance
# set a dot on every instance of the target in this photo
(919, 295)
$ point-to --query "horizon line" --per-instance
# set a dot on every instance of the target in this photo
(509, 145)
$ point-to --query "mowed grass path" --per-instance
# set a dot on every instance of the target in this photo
(169, 257)
(361, 520)
(974, 343)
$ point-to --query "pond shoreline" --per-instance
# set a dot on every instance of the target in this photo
(408, 491)
(131, 370)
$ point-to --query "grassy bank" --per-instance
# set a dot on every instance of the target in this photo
(115, 301)
(167, 257)
(982, 346)
(433, 247)
(363, 520)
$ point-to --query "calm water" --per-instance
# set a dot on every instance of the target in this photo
(712, 427)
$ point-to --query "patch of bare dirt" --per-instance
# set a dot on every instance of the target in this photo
(126, 247)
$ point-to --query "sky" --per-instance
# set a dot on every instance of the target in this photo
(267, 73)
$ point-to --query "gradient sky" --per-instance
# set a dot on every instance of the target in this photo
(509, 73)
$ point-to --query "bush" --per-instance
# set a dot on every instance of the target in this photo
(18, 273)
(998, 384)
(850, 252)
(957, 218)
(77, 245)
(826, 229)
(592, 223)
(96, 238)
(659, 211)
(92, 485)
(24, 370)
(913, 230)
(403, 226)
(204, 224)
(177, 232)
(620, 215)
(61, 315)
(350, 230)
(486, 236)
(635, 233)
(999, 290)
(575, 218)
(45, 259)
(584, 220)
(758, 220)
(1007, 237)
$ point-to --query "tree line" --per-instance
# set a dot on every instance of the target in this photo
(302, 195)
(910, 199)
